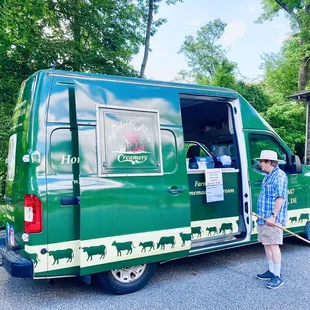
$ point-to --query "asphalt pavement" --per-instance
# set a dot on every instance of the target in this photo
(219, 280)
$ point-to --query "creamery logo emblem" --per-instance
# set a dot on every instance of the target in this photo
(132, 141)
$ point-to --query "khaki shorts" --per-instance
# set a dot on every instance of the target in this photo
(269, 235)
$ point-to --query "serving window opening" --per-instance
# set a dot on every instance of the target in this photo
(211, 146)
(208, 133)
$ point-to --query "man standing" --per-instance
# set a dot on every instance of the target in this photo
(272, 205)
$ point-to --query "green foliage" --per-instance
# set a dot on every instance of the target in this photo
(298, 12)
(281, 70)
(2, 215)
(95, 36)
(270, 10)
(224, 74)
(203, 53)
(280, 80)
(3, 156)
(209, 65)
(255, 95)
(206, 57)
(288, 119)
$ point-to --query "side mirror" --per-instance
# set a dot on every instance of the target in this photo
(255, 165)
(296, 166)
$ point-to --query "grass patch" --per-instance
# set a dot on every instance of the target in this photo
(2, 215)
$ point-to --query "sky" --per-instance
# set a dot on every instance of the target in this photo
(246, 40)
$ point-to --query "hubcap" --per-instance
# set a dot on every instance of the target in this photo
(127, 275)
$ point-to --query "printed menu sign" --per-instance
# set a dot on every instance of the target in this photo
(214, 177)
(214, 185)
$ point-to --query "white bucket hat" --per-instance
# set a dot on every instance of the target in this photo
(268, 155)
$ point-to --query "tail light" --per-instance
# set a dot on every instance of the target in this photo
(32, 214)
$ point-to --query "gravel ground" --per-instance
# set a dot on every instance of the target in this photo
(220, 280)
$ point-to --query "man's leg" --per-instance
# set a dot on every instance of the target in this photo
(276, 281)
(269, 255)
(276, 258)
(269, 274)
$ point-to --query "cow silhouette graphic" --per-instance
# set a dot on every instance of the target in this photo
(61, 254)
(123, 246)
(147, 244)
(196, 230)
(165, 241)
(303, 216)
(34, 257)
(226, 226)
(185, 237)
(95, 250)
(211, 229)
(293, 219)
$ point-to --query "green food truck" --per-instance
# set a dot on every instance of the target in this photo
(110, 176)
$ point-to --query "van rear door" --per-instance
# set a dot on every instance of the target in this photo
(62, 181)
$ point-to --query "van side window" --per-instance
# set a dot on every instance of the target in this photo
(169, 146)
(129, 142)
(61, 157)
(259, 142)
(197, 157)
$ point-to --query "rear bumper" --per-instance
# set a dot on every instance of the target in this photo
(15, 264)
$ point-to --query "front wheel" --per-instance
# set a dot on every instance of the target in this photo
(127, 280)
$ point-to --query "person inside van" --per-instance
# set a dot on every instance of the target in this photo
(272, 205)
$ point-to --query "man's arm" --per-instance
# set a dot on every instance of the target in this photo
(276, 210)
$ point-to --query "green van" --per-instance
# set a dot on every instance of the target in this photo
(110, 176)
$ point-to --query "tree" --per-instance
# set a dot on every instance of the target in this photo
(206, 57)
(98, 36)
(209, 65)
(151, 7)
(84, 35)
(288, 120)
(281, 70)
(255, 95)
(224, 74)
(280, 80)
(298, 12)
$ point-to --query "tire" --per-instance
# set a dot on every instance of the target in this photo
(127, 280)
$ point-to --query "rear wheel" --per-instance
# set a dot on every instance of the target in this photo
(127, 280)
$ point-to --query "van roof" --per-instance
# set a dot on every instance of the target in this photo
(138, 81)
(250, 117)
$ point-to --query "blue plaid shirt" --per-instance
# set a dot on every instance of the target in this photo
(274, 186)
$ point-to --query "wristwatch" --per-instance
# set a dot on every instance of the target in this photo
(272, 213)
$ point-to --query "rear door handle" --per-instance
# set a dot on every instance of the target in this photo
(175, 191)
(70, 200)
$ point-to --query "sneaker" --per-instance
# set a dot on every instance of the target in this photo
(268, 275)
(275, 283)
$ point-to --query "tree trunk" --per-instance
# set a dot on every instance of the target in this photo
(76, 29)
(147, 38)
(303, 74)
